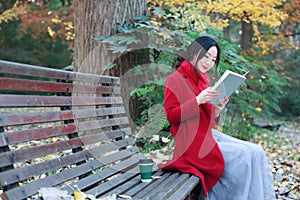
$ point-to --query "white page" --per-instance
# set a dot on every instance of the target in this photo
(227, 84)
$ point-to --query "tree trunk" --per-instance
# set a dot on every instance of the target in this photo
(246, 35)
(99, 18)
(5, 5)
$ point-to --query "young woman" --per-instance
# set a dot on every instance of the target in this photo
(228, 168)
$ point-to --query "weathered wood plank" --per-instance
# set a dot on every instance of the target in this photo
(54, 116)
(7, 67)
(169, 188)
(156, 186)
(8, 158)
(185, 189)
(115, 182)
(69, 174)
(54, 101)
(21, 174)
(55, 131)
(15, 84)
(121, 167)
(124, 187)
(140, 188)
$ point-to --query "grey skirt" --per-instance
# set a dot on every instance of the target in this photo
(247, 174)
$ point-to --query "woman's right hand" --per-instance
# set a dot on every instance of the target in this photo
(206, 95)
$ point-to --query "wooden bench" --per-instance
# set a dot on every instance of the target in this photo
(60, 129)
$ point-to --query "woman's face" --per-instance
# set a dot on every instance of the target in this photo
(208, 61)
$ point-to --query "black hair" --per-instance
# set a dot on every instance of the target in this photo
(198, 47)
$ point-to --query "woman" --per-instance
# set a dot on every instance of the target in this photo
(228, 168)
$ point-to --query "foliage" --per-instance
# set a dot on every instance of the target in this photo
(282, 38)
(38, 35)
(262, 12)
(265, 17)
(186, 17)
(12, 13)
(58, 24)
(154, 133)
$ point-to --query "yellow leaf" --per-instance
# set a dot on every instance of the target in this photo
(258, 109)
(78, 195)
(219, 128)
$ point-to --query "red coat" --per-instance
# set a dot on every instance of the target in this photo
(195, 151)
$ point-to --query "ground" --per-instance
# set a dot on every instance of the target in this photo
(283, 153)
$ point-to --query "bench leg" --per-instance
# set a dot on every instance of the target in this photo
(6, 168)
(197, 193)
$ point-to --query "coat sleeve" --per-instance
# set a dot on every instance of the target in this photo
(178, 108)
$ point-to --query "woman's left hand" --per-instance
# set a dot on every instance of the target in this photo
(219, 107)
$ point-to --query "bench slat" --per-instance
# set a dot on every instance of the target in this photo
(185, 189)
(16, 137)
(93, 179)
(169, 188)
(119, 180)
(7, 67)
(56, 131)
(143, 186)
(20, 174)
(45, 86)
(158, 185)
(130, 184)
(9, 158)
(51, 101)
(54, 116)
(68, 174)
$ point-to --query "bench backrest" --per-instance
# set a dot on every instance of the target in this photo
(57, 127)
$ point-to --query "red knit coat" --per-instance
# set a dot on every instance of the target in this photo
(195, 151)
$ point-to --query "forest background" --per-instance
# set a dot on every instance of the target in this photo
(257, 36)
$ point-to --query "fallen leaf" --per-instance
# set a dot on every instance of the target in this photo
(51, 193)
(127, 197)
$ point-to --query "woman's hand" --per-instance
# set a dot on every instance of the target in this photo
(219, 107)
(206, 96)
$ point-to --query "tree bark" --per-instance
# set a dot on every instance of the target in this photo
(5, 5)
(99, 18)
(246, 35)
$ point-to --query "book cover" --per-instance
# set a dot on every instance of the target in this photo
(227, 84)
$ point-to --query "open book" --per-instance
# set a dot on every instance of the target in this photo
(227, 84)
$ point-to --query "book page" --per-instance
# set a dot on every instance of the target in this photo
(227, 84)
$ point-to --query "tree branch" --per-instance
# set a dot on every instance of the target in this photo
(285, 35)
(288, 34)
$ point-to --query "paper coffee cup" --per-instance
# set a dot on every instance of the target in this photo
(146, 166)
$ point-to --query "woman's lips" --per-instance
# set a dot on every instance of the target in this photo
(205, 68)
